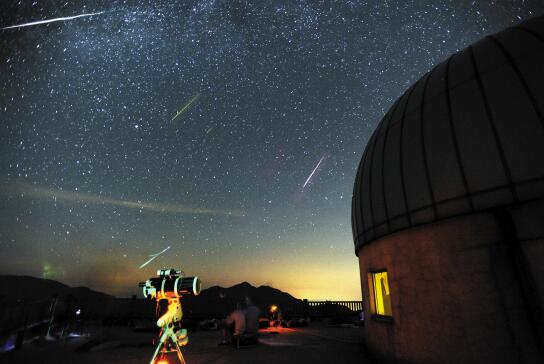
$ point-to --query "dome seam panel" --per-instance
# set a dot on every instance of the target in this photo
(522, 80)
(423, 148)
(454, 135)
(487, 106)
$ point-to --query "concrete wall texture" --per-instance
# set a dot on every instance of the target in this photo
(457, 292)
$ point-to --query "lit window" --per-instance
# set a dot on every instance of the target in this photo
(382, 298)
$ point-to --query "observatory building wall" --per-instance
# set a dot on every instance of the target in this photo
(455, 292)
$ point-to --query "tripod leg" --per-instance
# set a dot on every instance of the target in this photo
(159, 345)
(178, 350)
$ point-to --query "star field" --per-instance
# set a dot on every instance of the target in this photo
(98, 172)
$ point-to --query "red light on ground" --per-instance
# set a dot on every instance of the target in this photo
(163, 359)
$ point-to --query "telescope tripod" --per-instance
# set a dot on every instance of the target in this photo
(162, 346)
(169, 339)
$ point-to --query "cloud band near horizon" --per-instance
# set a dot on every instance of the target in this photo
(57, 195)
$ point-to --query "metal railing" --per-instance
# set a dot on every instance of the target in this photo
(352, 305)
(327, 308)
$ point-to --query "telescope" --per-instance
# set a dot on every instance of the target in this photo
(170, 285)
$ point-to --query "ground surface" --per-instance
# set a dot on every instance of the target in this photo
(315, 344)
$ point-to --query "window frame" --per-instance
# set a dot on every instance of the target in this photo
(372, 296)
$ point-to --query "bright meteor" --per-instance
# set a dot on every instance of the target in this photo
(313, 171)
(51, 20)
(185, 107)
(154, 256)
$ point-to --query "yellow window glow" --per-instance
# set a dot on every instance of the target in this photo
(382, 298)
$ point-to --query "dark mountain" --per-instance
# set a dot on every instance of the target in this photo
(28, 288)
(28, 300)
(218, 300)
(19, 291)
(239, 291)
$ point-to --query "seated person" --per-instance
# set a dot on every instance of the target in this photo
(251, 313)
(233, 326)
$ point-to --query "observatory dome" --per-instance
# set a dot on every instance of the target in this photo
(467, 137)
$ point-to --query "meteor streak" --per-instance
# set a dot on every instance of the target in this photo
(313, 171)
(185, 107)
(153, 257)
(52, 20)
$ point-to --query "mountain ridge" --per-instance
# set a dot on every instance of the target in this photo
(30, 287)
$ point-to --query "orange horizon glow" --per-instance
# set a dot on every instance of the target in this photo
(331, 274)
(308, 282)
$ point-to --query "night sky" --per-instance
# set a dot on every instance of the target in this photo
(199, 126)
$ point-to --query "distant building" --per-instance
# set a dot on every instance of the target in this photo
(448, 210)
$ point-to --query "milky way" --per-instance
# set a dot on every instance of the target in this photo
(91, 156)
